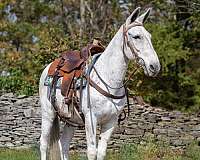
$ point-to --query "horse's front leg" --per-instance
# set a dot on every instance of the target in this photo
(68, 133)
(106, 132)
(90, 127)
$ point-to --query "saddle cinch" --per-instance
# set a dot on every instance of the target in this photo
(70, 67)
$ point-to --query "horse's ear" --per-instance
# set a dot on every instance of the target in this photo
(144, 16)
(133, 16)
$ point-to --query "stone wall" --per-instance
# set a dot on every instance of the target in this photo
(20, 122)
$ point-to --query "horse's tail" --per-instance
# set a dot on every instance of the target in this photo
(54, 148)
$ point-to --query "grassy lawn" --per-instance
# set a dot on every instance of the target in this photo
(22, 154)
(148, 151)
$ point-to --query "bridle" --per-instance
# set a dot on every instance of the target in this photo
(135, 52)
(126, 42)
(139, 63)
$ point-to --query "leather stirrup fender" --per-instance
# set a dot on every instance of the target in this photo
(66, 83)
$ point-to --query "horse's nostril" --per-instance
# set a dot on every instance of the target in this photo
(152, 67)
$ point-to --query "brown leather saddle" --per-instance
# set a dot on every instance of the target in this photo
(70, 66)
(67, 66)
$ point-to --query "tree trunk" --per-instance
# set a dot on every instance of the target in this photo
(82, 14)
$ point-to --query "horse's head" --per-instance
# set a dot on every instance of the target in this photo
(137, 43)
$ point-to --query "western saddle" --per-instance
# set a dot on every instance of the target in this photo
(70, 67)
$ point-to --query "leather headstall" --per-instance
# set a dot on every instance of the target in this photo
(134, 51)
(130, 44)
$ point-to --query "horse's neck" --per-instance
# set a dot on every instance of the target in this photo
(112, 64)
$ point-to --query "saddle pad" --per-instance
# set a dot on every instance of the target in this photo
(48, 81)
(78, 83)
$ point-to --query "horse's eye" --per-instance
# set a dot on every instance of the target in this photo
(135, 37)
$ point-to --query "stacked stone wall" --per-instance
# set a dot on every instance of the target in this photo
(20, 120)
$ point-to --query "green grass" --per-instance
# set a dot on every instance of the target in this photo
(22, 154)
(148, 151)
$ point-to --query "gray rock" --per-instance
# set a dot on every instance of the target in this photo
(198, 139)
(28, 113)
(7, 95)
(174, 132)
(5, 139)
(165, 118)
(9, 144)
(196, 127)
(177, 142)
(22, 96)
(20, 121)
(160, 131)
(187, 139)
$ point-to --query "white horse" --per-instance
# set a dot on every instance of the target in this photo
(131, 42)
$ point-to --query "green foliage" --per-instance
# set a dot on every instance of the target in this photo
(177, 86)
(177, 45)
(17, 82)
(129, 151)
(167, 43)
(192, 152)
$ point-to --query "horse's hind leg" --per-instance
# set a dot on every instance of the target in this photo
(44, 138)
(90, 127)
(68, 133)
(106, 132)
(48, 117)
